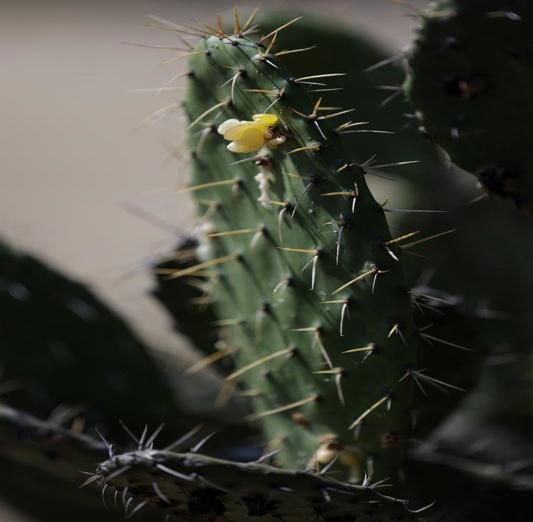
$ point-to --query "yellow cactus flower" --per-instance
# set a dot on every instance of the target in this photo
(250, 136)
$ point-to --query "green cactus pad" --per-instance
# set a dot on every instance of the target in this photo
(306, 273)
(44, 445)
(188, 486)
(471, 71)
(63, 346)
(47, 461)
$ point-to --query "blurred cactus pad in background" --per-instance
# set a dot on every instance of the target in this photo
(361, 306)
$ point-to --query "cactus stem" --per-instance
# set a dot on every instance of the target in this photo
(262, 360)
(286, 407)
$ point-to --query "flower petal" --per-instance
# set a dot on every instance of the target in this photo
(224, 126)
(251, 140)
(265, 120)
(237, 131)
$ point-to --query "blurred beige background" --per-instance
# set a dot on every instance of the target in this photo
(71, 158)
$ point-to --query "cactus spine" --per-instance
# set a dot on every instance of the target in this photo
(305, 273)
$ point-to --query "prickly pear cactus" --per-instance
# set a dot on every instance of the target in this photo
(305, 273)
(65, 349)
(188, 486)
(470, 81)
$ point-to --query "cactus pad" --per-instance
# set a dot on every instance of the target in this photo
(63, 346)
(302, 264)
(471, 70)
(188, 486)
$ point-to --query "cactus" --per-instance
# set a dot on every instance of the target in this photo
(188, 486)
(313, 212)
(470, 73)
(44, 444)
(47, 460)
(305, 306)
(72, 356)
